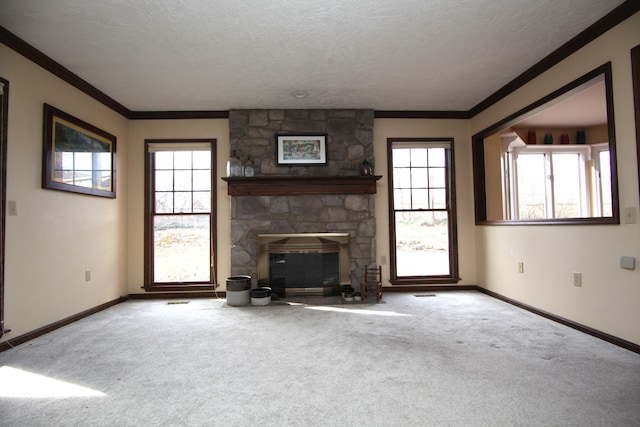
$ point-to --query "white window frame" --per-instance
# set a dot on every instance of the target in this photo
(510, 173)
(596, 149)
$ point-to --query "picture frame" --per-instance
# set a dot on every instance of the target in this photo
(77, 156)
(301, 150)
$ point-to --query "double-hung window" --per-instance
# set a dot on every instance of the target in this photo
(423, 216)
(180, 214)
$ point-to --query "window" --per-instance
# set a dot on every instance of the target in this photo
(548, 182)
(561, 110)
(422, 203)
(180, 219)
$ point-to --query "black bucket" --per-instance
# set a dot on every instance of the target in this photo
(238, 283)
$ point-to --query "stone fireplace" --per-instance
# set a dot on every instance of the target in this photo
(303, 199)
(304, 264)
(350, 214)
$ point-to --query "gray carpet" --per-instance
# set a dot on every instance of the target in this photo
(451, 359)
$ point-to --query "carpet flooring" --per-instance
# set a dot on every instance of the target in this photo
(427, 359)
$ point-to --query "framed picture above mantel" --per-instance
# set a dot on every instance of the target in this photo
(301, 150)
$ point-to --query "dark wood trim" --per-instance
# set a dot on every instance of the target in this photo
(55, 68)
(635, 73)
(427, 280)
(301, 185)
(539, 105)
(453, 209)
(179, 287)
(479, 180)
(397, 114)
(453, 226)
(558, 221)
(479, 163)
(4, 118)
(391, 211)
(177, 295)
(6, 345)
(604, 24)
(570, 323)
(428, 288)
(177, 115)
(149, 286)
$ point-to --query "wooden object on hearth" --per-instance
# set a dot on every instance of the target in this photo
(300, 185)
(372, 282)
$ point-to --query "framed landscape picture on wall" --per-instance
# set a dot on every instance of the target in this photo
(77, 156)
(301, 150)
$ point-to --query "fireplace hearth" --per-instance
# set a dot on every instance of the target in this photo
(313, 264)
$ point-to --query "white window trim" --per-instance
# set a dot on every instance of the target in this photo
(596, 149)
(510, 164)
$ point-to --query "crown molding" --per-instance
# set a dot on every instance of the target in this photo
(169, 115)
(604, 24)
(613, 18)
(34, 55)
(414, 114)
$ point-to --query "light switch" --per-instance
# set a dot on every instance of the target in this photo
(12, 207)
(628, 262)
(630, 215)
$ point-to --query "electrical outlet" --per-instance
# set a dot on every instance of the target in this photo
(630, 215)
(383, 259)
(520, 267)
(577, 279)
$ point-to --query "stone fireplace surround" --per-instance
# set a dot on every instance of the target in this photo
(349, 142)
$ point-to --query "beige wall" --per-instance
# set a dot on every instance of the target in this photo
(140, 130)
(428, 128)
(57, 235)
(607, 301)
(218, 129)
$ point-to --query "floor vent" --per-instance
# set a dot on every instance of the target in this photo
(177, 302)
(425, 295)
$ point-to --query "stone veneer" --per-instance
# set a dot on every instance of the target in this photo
(349, 142)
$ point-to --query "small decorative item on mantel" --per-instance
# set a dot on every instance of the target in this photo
(548, 138)
(234, 165)
(531, 137)
(581, 137)
(366, 169)
(564, 138)
(249, 167)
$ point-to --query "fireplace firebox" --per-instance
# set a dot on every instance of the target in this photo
(304, 264)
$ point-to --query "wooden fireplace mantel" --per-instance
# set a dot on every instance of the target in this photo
(301, 185)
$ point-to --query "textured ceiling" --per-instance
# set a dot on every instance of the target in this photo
(155, 55)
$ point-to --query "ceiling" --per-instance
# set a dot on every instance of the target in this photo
(181, 55)
(586, 107)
